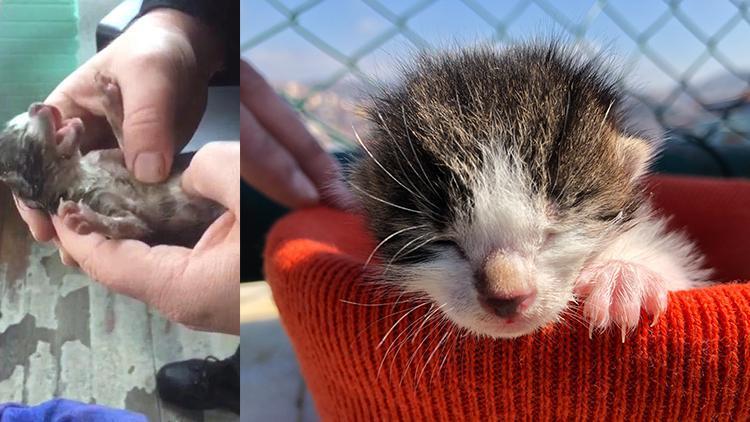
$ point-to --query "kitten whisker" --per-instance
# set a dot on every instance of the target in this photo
(398, 253)
(414, 170)
(384, 201)
(395, 342)
(429, 358)
(391, 236)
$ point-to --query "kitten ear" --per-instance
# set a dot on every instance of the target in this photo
(635, 154)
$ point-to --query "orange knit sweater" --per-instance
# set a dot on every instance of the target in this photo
(693, 365)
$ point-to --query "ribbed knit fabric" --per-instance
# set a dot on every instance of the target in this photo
(693, 365)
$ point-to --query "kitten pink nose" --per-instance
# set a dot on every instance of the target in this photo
(507, 306)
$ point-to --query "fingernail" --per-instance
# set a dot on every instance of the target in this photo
(149, 167)
(304, 188)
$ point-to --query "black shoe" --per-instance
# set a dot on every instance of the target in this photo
(200, 384)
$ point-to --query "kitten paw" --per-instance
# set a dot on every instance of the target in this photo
(616, 291)
(77, 217)
(111, 98)
(108, 88)
(68, 137)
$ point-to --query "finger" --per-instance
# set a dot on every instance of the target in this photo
(284, 125)
(149, 135)
(214, 173)
(129, 267)
(77, 97)
(60, 97)
(221, 231)
(162, 276)
(270, 168)
(39, 224)
(67, 259)
(64, 255)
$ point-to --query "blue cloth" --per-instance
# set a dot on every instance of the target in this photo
(61, 410)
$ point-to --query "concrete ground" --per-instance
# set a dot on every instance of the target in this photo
(272, 387)
(64, 335)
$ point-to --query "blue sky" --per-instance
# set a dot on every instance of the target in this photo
(347, 25)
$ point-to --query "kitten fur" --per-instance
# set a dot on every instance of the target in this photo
(519, 159)
(41, 162)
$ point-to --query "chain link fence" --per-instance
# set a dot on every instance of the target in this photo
(687, 62)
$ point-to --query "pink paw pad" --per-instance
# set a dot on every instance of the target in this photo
(616, 291)
(74, 217)
(68, 136)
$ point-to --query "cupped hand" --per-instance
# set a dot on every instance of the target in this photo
(161, 65)
(197, 287)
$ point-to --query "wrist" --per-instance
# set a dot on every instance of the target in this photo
(203, 39)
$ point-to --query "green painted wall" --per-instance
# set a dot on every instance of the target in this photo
(38, 46)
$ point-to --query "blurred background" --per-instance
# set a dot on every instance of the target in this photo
(686, 67)
(41, 43)
(686, 63)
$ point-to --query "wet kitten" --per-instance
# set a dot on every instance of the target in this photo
(41, 162)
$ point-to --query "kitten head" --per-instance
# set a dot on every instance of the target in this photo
(490, 177)
(27, 143)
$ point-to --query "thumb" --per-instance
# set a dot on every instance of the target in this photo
(148, 128)
(214, 173)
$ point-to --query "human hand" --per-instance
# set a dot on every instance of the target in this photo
(197, 287)
(161, 65)
(279, 156)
